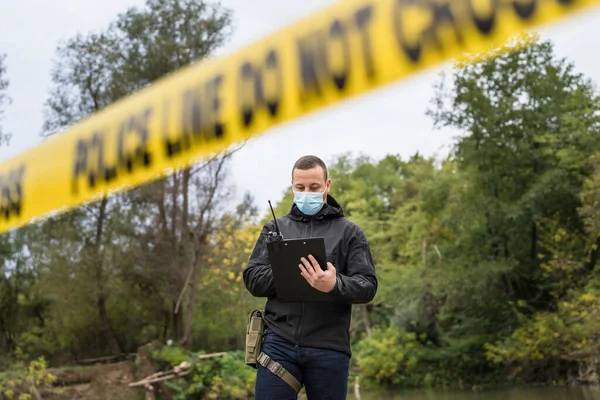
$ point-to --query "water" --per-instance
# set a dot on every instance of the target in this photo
(549, 393)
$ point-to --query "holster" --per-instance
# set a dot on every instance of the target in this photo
(255, 332)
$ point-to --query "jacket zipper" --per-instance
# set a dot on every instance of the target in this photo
(303, 304)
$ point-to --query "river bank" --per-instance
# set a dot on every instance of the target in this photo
(113, 381)
(516, 393)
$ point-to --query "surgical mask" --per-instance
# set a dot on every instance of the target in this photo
(309, 203)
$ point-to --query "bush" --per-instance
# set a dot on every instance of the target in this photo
(395, 358)
(227, 377)
(555, 346)
(24, 383)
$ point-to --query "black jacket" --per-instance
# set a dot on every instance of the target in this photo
(323, 325)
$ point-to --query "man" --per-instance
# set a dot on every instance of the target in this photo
(312, 340)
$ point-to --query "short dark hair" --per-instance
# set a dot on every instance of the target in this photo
(309, 162)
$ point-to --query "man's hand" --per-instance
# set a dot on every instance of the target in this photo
(323, 281)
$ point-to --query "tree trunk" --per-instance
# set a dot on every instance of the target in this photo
(165, 327)
(534, 244)
(177, 322)
(364, 313)
(185, 226)
(186, 340)
(193, 247)
(174, 206)
(424, 250)
(193, 296)
(109, 334)
(98, 261)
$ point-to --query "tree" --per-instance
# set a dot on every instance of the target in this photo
(225, 302)
(4, 98)
(532, 124)
(163, 37)
(181, 213)
(82, 85)
(98, 69)
(8, 284)
(154, 42)
(139, 47)
(82, 82)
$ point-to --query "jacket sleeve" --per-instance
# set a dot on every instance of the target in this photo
(359, 284)
(258, 276)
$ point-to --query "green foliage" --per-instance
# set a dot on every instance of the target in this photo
(24, 383)
(99, 265)
(392, 357)
(8, 312)
(226, 377)
(487, 260)
(222, 311)
(552, 342)
(389, 357)
(173, 355)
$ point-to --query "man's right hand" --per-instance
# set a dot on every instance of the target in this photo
(323, 281)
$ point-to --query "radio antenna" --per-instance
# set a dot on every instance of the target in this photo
(274, 218)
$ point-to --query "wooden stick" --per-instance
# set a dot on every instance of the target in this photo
(156, 375)
(145, 382)
(106, 358)
(181, 370)
(204, 356)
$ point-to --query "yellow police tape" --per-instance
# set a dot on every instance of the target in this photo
(342, 51)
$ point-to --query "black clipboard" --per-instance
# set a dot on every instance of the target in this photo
(285, 257)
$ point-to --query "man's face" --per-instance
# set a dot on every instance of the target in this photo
(310, 180)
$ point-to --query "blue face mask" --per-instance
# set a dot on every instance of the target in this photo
(309, 203)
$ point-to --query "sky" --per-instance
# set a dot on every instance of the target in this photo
(390, 120)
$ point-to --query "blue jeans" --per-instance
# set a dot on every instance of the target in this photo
(324, 373)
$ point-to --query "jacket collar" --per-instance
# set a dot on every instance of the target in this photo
(331, 209)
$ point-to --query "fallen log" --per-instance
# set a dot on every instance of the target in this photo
(68, 377)
(212, 355)
(181, 370)
(100, 360)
